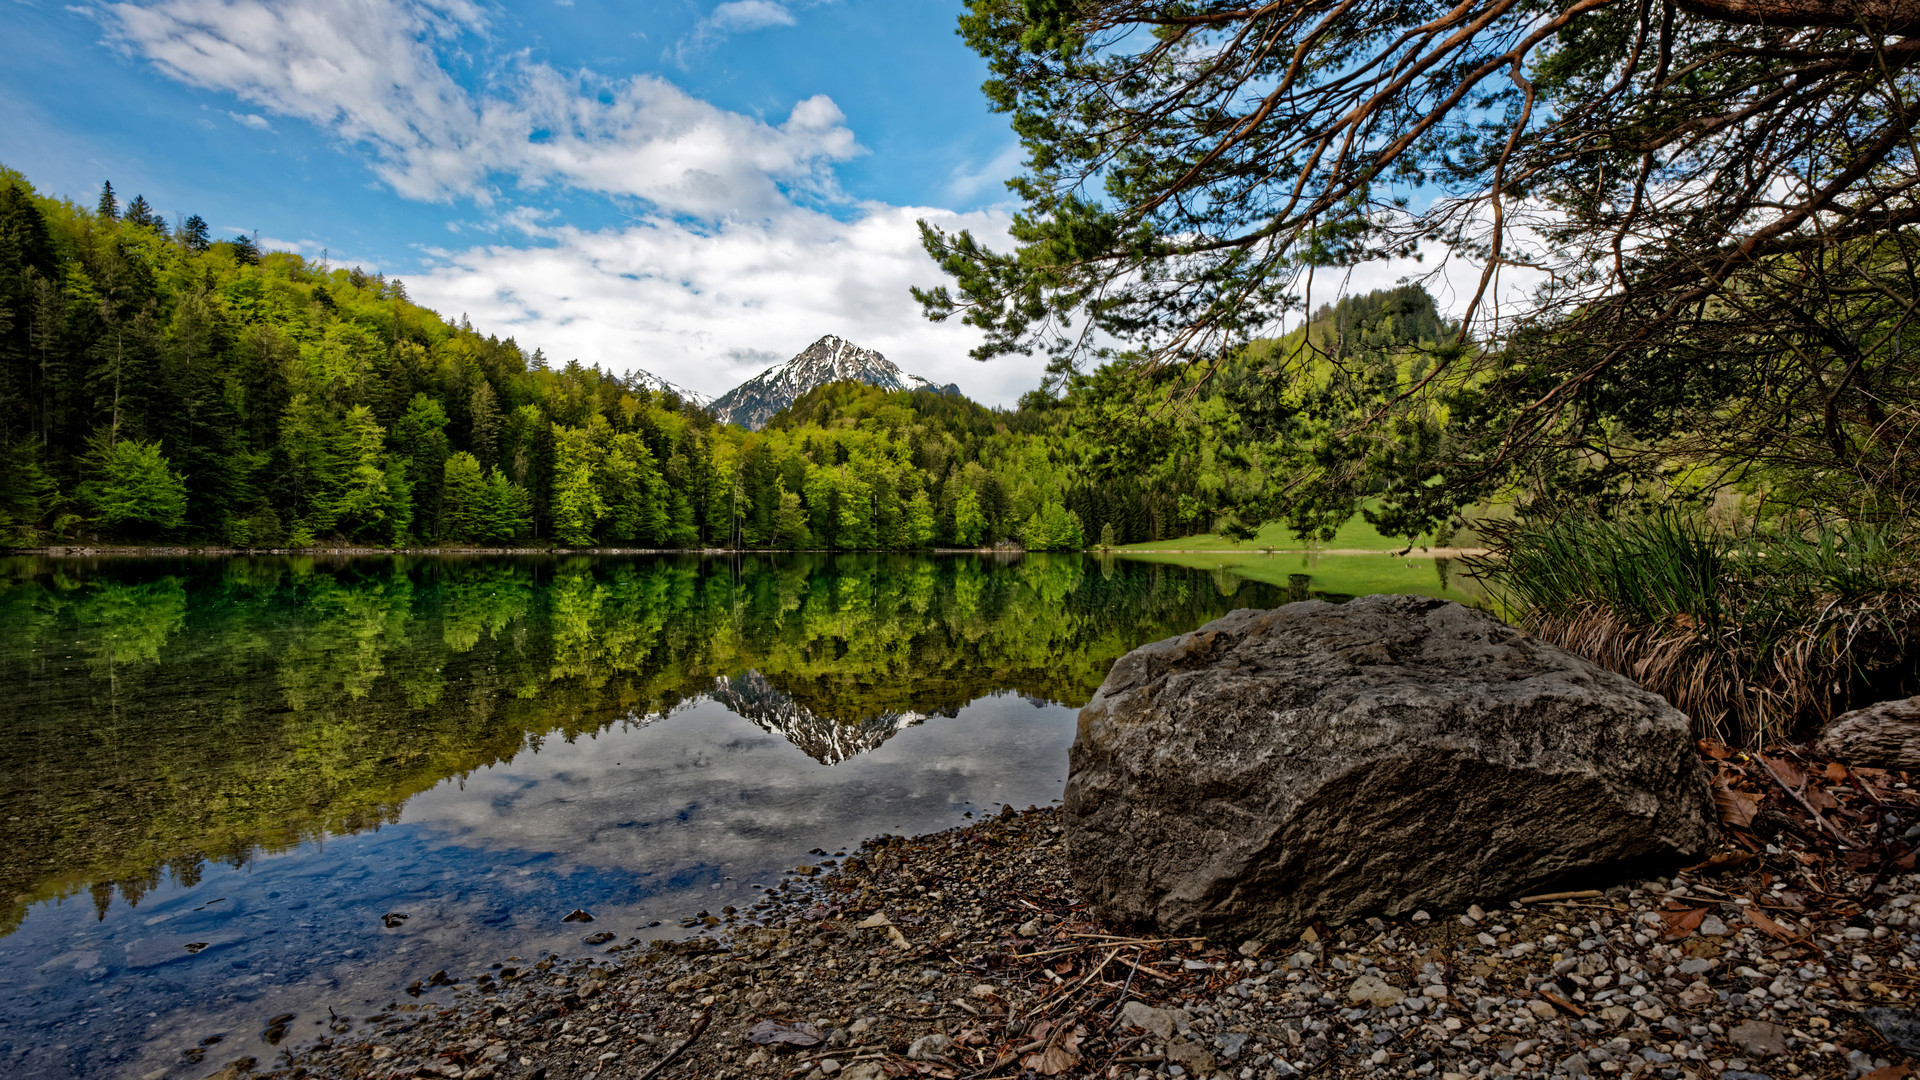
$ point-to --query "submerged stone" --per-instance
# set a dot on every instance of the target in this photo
(1329, 761)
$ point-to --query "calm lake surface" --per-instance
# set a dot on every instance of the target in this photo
(218, 775)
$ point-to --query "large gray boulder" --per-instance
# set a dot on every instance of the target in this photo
(1886, 734)
(1330, 761)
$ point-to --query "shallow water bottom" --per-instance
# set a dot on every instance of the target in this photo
(648, 821)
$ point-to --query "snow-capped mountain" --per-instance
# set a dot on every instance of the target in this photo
(824, 739)
(831, 359)
(648, 380)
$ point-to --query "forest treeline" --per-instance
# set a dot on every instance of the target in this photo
(161, 385)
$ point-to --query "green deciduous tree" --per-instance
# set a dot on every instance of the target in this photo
(131, 491)
(466, 502)
(969, 524)
(1053, 528)
(367, 505)
(577, 503)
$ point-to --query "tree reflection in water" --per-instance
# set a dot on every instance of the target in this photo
(167, 713)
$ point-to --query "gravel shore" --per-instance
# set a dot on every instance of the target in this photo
(966, 953)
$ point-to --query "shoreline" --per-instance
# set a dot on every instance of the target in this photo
(77, 551)
(212, 551)
(968, 953)
(1421, 553)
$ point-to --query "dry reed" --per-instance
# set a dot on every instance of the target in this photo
(1756, 639)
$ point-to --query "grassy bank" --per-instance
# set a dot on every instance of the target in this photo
(1355, 535)
(1757, 636)
(1319, 574)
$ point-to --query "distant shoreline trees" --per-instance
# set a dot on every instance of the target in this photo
(161, 386)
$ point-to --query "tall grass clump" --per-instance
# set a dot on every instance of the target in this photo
(1756, 635)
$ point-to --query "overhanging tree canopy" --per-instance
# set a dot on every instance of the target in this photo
(1697, 185)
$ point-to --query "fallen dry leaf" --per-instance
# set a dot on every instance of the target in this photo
(1682, 923)
(1789, 773)
(1767, 926)
(1736, 808)
(1055, 1059)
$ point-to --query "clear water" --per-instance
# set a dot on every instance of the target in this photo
(217, 776)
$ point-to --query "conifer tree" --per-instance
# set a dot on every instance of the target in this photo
(141, 214)
(109, 207)
(509, 511)
(487, 422)
(195, 234)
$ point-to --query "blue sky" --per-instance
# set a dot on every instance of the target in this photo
(696, 187)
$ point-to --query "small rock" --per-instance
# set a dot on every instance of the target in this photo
(235, 1069)
(769, 1032)
(829, 1067)
(1712, 926)
(1757, 1038)
(1147, 1018)
(865, 1070)
(1029, 928)
(1195, 1059)
(1374, 991)
(929, 1047)
(1574, 1065)
(577, 915)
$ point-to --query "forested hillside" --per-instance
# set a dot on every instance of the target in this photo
(159, 385)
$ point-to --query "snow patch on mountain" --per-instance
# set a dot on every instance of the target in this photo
(647, 380)
(831, 359)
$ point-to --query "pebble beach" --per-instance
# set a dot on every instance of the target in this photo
(967, 953)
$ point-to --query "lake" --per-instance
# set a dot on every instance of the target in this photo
(225, 780)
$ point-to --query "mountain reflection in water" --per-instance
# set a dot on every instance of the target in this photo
(218, 774)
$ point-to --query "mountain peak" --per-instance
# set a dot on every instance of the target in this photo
(639, 378)
(828, 360)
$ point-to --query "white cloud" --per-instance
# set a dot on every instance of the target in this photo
(730, 18)
(989, 177)
(750, 15)
(252, 120)
(709, 307)
(368, 73)
(726, 267)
